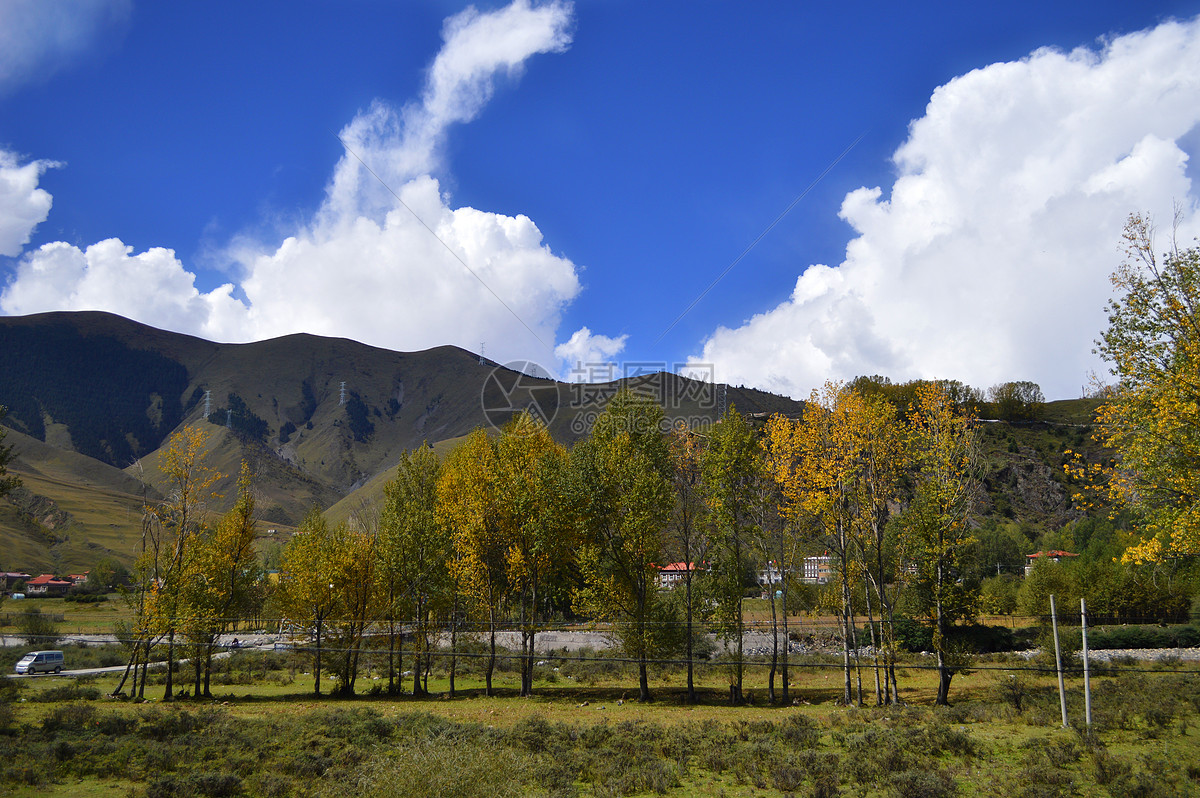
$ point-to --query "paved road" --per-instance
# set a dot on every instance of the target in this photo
(120, 668)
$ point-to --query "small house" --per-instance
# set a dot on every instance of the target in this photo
(48, 585)
(671, 574)
(1051, 556)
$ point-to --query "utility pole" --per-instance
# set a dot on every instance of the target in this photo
(342, 394)
(207, 403)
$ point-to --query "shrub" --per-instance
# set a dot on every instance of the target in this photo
(923, 784)
(435, 768)
(37, 628)
(69, 717)
(800, 731)
(72, 691)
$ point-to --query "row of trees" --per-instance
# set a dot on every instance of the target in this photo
(515, 528)
(510, 529)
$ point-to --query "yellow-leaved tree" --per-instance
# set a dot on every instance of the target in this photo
(1151, 417)
(171, 530)
(469, 505)
(935, 530)
(533, 485)
(220, 584)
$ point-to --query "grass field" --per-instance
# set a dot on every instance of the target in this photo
(263, 732)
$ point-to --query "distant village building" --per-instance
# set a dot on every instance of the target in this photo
(48, 585)
(771, 575)
(1052, 556)
(10, 578)
(673, 573)
(818, 570)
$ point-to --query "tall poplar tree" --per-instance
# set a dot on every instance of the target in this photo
(733, 480)
(623, 473)
(935, 532)
(687, 531)
(414, 550)
(537, 521)
(470, 505)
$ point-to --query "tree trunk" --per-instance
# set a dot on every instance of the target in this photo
(774, 643)
(391, 666)
(453, 642)
(491, 666)
(874, 644)
(526, 664)
(691, 687)
(197, 671)
(787, 643)
(317, 668)
(170, 665)
(131, 665)
(643, 680)
(145, 669)
(945, 674)
(847, 695)
(419, 645)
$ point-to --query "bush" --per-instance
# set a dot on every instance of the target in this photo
(213, 785)
(800, 731)
(72, 691)
(37, 628)
(923, 784)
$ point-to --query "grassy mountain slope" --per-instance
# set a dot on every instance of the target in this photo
(70, 511)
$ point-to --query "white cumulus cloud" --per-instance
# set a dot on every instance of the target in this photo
(988, 259)
(402, 270)
(589, 356)
(23, 206)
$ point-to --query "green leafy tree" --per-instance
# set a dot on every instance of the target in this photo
(687, 532)
(414, 552)
(733, 478)
(623, 472)
(1017, 401)
(38, 628)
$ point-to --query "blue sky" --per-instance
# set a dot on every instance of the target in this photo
(598, 165)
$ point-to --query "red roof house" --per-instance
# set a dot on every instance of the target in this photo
(48, 585)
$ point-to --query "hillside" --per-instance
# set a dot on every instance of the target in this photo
(323, 422)
(317, 418)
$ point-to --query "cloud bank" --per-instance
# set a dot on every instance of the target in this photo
(402, 270)
(988, 259)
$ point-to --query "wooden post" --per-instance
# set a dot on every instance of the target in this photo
(1087, 682)
(1062, 692)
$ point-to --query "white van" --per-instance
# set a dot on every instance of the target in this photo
(41, 662)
